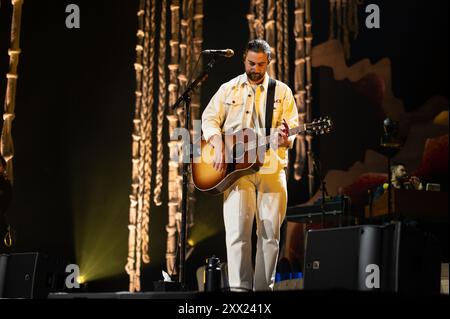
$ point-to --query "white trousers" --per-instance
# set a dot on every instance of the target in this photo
(263, 196)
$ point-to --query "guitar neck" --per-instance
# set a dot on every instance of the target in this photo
(292, 131)
(320, 126)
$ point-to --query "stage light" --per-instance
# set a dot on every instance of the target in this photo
(208, 222)
(202, 231)
(99, 250)
(81, 279)
(100, 212)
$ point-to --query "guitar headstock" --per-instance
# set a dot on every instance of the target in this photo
(319, 126)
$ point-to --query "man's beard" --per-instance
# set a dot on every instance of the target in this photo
(255, 77)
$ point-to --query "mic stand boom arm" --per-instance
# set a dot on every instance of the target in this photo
(185, 96)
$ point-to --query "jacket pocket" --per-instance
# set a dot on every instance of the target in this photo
(234, 113)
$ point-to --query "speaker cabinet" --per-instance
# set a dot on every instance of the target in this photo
(395, 257)
(27, 275)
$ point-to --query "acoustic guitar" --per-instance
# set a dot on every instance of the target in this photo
(244, 154)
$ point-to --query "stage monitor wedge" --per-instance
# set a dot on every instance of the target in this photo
(395, 257)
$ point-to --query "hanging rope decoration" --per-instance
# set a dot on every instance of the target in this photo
(308, 87)
(299, 85)
(188, 17)
(142, 146)
(286, 41)
(344, 22)
(182, 72)
(282, 40)
(6, 142)
(280, 28)
(148, 127)
(182, 83)
(130, 267)
(186, 48)
(251, 19)
(161, 105)
(174, 178)
(303, 88)
(270, 38)
(259, 22)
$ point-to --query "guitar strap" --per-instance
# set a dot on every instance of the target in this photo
(269, 104)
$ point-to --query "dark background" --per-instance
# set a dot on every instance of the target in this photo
(74, 110)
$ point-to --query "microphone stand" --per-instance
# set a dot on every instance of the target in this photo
(391, 144)
(186, 98)
(390, 150)
(323, 188)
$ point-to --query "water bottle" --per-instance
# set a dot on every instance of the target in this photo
(212, 274)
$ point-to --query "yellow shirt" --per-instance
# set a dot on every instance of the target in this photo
(231, 109)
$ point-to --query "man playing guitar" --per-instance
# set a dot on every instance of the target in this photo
(240, 104)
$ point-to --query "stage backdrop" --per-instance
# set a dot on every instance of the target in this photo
(74, 111)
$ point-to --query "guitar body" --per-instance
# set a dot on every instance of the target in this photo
(240, 162)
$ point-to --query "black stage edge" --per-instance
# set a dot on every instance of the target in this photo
(252, 296)
(278, 304)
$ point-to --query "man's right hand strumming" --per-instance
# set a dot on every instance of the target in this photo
(219, 152)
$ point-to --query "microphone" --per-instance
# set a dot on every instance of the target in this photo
(228, 53)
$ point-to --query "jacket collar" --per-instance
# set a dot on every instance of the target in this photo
(244, 81)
